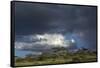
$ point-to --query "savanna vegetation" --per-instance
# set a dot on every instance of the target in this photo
(57, 56)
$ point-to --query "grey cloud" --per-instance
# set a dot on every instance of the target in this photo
(49, 18)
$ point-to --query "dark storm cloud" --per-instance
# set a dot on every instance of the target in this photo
(36, 18)
(33, 18)
(49, 18)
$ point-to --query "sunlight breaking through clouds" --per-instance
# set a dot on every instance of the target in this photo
(44, 41)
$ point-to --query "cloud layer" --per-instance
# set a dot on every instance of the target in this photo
(49, 18)
(41, 26)
(43, 41)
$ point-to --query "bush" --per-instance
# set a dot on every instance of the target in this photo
(19, 59)
(75, 59)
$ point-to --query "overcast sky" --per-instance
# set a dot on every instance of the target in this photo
(36, 25)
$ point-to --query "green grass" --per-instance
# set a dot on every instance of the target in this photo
(58, 60)
(51, 61)
(59, 56)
